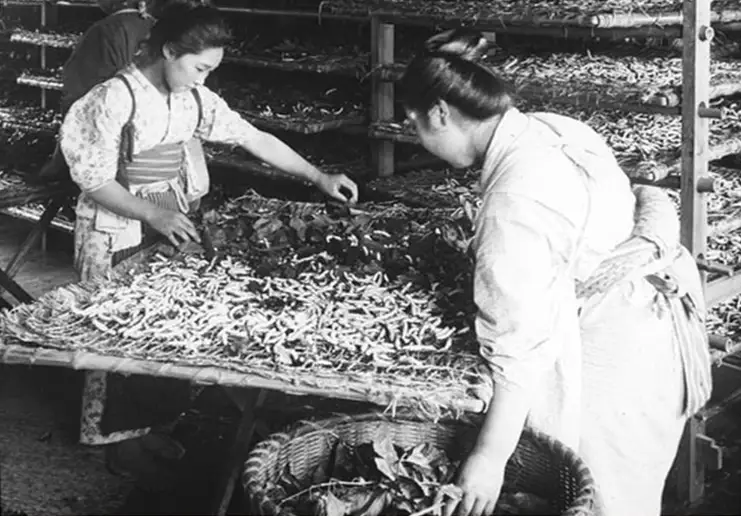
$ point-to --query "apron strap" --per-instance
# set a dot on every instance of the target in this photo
(199, 102)
(126, 148)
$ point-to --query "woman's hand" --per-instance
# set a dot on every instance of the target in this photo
(334, 184)
(481, 478)
(174, 225)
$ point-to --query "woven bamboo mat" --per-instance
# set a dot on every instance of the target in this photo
(49, 39)
(603, 80)
(422, 376)
(589, 13)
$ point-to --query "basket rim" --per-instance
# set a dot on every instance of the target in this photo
(585, 492)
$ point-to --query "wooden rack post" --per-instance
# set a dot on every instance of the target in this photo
(691, 461)
(382, 94)
(43, 23)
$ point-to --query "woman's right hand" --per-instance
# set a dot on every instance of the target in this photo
(177, 227)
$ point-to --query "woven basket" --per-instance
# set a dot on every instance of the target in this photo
(540, 466)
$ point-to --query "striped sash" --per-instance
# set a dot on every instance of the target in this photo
(162, 163)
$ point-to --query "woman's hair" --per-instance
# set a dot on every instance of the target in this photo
(112, 6)
(158, 7)
(186, 27)
(449, 68)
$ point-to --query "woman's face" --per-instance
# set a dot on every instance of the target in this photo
(190, 70)
(442, 133)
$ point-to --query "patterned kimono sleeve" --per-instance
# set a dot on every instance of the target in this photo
(91, 134)
(221, 124)
(521, 288)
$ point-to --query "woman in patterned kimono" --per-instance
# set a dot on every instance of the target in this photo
(106, 47)
(611, 368)
(125, 145)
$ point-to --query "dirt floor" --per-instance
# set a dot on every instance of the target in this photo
(44, 471)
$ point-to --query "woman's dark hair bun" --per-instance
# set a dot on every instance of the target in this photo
(467, 44)
(449, 68)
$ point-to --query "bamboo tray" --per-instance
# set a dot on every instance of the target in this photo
(635, 138)
(218, 155)
(36, 80)
(299, 124)
(327, 63)
(625, 82)
(451, 383)
(443, 188)
(378, 390)
(290, 55)
(221, 155)
(340, 65)
(33, 212)
(447, 381)
(300, 118)
(29, 118)
(47, 39)
(16, 192)
(287, 109)
(592, 14)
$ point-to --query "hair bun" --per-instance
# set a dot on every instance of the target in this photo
(466, 44)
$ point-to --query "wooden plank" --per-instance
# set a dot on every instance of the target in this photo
(689, 468)
(695, 129)
(38, 230)
(252, 399)
(382, 94)
(366, 390)
(44, 9)
(722, 289)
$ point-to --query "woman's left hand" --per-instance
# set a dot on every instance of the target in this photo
(334, 184)
(481, 478)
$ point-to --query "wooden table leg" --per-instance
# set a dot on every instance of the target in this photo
(38, 231)
(250, 401)
(14, 289)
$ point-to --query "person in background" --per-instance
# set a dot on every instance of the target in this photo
(614, 372)
(124, 142)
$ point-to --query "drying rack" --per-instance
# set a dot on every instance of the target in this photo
(691, 20)
(20, 193)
